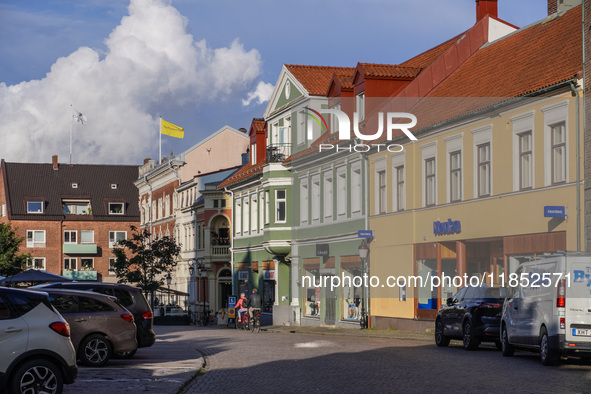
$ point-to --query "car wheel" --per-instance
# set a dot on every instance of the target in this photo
(95, 350)
(39, 376)
(125, 355)
(440, 339)
(470, 341)
(506, 347)
(547, 355)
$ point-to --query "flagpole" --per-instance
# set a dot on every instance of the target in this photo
(160, 137)
(71, 126)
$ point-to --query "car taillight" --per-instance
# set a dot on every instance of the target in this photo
(147, 315)
(61, 328)
(562, 323)
(489, 305)
(561, 294)
(127, 318)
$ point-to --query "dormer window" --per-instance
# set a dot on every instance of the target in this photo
(34, 206)
(361, 106)
(76, 207)
(116, 208)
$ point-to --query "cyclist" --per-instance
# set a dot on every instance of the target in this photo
(254, 303)
(241, 306)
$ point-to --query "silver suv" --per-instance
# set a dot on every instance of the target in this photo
(100, 325)
(36, 352)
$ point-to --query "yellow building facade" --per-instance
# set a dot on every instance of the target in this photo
(472, 198)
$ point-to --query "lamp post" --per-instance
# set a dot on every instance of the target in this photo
(198, 268)
(363, 252)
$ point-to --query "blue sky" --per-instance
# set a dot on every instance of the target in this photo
(193, 62)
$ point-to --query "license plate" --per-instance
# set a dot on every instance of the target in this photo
(580, 332)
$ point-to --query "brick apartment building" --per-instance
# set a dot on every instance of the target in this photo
(69, 215)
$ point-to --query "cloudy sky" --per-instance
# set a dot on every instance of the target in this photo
(200, 64)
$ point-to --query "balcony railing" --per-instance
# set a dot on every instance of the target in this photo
(276, 153)
(220, 250)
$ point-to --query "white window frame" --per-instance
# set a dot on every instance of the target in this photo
(315, 198)
(267, 207)
(69, 268)
(454, 144)
(328, 198)
(356, 188)
(397, 161)
(429, 151)
(3, 212)
(111, 212)
(342, 191)
(522, 123)
(379, 166)
(278, 203)
(555, 114)
(360, 106)
(87, 258)
(254, 205)
(334, 120)
(33, 243)
(481, 136)
(34, 266)
(69, 233)
(238, 216)
(35, 202)
(261, 210)
(253, 153)
(304, 201)
(115, 232)
(246, 215)
(301, 133)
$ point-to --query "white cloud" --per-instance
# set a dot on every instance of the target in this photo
(261, 93)
(149, 59)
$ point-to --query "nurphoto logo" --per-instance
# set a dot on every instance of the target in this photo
(392, 120)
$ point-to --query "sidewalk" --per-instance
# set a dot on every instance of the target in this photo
(368, 333)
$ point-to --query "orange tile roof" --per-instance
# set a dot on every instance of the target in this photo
(246, 172)
(258, 124)
(388, 70)
(345, 78)
(316, 79)
(424, 59)
(528, 60)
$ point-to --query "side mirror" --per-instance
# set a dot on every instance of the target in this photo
(503, 292)
(450, 301)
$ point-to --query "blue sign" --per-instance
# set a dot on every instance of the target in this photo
(449, 227)
(554, 212)
(364, 234)
(231, 301)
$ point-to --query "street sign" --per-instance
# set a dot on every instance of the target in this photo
(231, 301)
(365, 234)
(551, 211)
(322, 250)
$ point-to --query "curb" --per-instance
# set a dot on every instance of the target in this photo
(394, 334)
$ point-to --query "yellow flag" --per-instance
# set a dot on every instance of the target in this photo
(168, 128)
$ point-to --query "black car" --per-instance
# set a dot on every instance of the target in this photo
(131, 298)
(473, 315)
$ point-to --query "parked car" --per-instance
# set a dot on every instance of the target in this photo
(99, 324)
(549, 308)
(473, 315)
(36, 354)
(131, 298)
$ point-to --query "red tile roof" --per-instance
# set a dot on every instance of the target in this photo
(246, 172)
(388, 70)
(316, 79)
(426, 58)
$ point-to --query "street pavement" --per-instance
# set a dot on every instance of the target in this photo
(189, 359)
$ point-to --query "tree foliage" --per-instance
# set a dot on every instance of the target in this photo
(11, 262)
(143, 262)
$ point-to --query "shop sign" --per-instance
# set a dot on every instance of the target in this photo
(448, 227)
(322, 250)
(551, 211)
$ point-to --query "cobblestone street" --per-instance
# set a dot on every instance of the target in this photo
(297, 359)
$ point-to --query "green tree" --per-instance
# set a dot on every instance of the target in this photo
(143, 262)
(10, 262)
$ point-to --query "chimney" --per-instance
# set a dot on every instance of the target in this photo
(486, 7)
(54, 161)
(147, 160)
(552, 7)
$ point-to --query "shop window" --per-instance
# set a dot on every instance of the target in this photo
(268, 295)
(351, 294)
(427, 296)
(311, 305)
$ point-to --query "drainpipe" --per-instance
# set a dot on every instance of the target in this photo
(578, 160)
(367, 259)
(231, 237)
(585, 103)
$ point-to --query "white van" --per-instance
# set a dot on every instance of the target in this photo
(548, 308)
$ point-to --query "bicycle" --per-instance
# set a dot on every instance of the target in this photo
(243, 322)
(255, 325)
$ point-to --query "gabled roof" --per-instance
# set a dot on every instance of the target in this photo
(27, 182)
(257, 126)
(315, 79)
